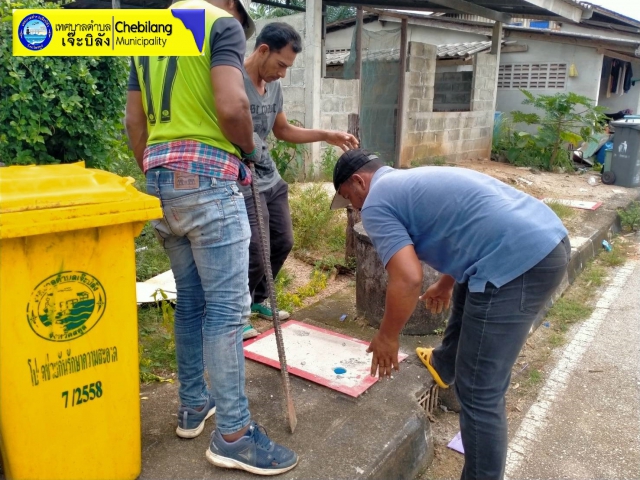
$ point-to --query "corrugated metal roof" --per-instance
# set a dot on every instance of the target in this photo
(446, 51)
(462, 50)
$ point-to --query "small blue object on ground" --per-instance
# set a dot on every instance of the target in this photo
(606, 245)
(343, 317)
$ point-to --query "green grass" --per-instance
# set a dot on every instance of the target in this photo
(535, 377)
(630, 217)
(567, 311)
(616, 257)
(595, 275)
(556, 339)
(562, 211)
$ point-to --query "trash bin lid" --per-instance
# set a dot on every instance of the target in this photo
(629, 121)
(52, 198)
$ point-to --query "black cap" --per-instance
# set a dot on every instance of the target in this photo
(349, 163)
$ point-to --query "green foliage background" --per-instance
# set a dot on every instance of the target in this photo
(59, 109)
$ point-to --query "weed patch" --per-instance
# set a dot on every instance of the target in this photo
(563, 212)
(328, 163)
(316, 227)
(614, 258)
(292, 300)
(630, 217)
(157, 348)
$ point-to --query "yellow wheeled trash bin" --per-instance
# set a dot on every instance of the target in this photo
(69, 391)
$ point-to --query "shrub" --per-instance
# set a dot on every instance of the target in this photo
(315, 226)
(288, 157)
(59, 109)
(630, 217)
(568, 118)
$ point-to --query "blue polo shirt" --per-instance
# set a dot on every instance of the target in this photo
(461, 222)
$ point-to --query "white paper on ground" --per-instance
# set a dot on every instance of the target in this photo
(145, 291)
(456, 443)
(582, 204)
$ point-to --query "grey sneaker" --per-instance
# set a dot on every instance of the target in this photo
(191, 422)
(264, 310)
(253, 452)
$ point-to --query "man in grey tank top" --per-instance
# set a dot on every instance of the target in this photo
(275, 51)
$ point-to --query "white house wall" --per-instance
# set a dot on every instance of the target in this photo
(587, 61)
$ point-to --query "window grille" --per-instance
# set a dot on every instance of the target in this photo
(549, 76)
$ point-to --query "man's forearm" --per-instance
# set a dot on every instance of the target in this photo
(238, 129)
(295, 134)
(138, 137)
(401, 300)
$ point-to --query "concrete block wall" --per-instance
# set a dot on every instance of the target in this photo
(293, 85)
(452, 91)
(449, 135)
(485, 77)
(339, 98)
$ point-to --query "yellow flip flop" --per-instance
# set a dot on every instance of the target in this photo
(424, 354)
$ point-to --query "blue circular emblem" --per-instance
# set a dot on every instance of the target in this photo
(35, 31)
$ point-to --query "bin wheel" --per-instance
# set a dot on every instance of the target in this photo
(608, 178)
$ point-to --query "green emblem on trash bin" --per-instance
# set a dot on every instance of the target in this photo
(66, 305)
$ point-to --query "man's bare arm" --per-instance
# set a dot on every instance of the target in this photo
(403, 289)
(136, 125)
(232, 105)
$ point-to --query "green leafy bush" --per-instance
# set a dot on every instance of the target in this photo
(567, 119)
(288, 157)
(59, 109)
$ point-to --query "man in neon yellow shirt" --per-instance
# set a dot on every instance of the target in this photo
(189, 123)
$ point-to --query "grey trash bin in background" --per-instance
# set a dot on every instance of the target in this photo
(625, 161)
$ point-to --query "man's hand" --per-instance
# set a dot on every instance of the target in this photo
(345, 141)
(255, 155)
(385, 355)
(438, 296)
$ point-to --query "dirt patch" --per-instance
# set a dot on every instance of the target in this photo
(566, 186)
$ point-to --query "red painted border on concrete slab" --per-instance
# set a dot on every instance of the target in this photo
(351, 391)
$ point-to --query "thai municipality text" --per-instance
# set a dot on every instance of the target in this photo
(121, 33)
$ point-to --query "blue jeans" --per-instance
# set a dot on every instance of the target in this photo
(205, 232)
(483, 338)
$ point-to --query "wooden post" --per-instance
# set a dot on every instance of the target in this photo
(496, 38)
(323, 40)
(402, 73)
(358, 65)
(353, 215)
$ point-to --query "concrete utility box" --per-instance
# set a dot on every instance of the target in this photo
(371, 286)
(625, 162)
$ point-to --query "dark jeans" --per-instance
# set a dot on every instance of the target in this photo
(481, 343)
(276, 215)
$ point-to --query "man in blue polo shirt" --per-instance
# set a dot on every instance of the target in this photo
(502, 254)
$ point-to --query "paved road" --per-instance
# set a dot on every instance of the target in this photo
(585, 423)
